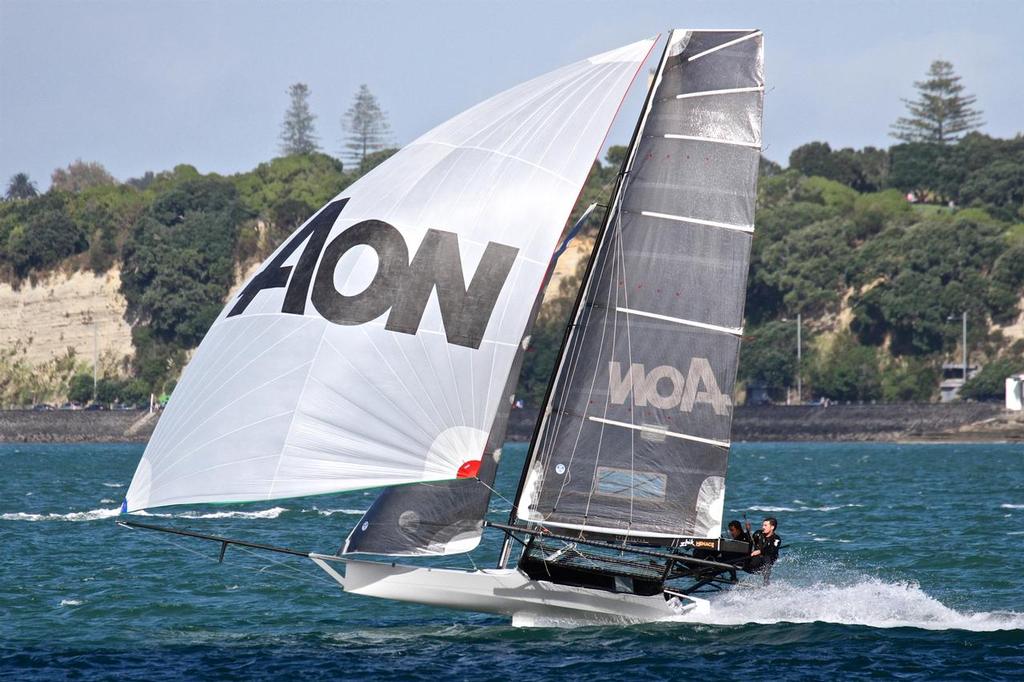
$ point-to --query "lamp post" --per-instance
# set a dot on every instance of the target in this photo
(799, 356)
(963, 321)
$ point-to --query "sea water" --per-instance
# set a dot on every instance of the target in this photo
(898, 560)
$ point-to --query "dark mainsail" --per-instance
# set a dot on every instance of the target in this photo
(635, 435)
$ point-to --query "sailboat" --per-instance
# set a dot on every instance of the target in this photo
(380, 344)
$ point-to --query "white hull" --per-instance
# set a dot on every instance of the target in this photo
(507, 592)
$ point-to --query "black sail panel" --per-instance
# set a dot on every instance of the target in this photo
(635, 435)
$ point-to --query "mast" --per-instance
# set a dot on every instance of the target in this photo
(577, 310)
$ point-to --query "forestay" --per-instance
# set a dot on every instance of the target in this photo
(635, 436)
(373, 347)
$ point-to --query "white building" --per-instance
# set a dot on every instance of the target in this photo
(1015, 392)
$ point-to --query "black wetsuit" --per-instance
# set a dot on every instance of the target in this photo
(769, 547)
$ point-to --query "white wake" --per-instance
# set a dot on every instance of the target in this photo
(870, 602)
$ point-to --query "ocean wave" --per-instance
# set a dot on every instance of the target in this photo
(345, 512)
(271, 513)
(91, 515)
(99, 514)
(71, 602)
(1011, 506)
(870, 602)
(804, 508)
(113, 485)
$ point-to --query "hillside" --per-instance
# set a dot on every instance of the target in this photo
(879, 251)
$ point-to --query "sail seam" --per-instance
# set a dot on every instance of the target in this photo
(727, 91)
(724, 45)
(295, 412)
(735, 331)
(661, 432)
(699, 221)
(520, 159)
(715, 140)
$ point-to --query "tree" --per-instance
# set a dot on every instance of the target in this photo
(80, 175)
(365, 125)
(80, 389)
(768, 356)
(297, 133)
(990, 382)
(21, 187)
(941, 113)
(848, 371)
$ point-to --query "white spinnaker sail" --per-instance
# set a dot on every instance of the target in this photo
(280, 401)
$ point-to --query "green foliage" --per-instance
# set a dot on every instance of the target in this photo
(289, 189)
(829, 193)
(80, 175)
(39, 233)
(768, 356)
(872, 213)
(942, 113)
(298, 134)
(926, 273)
(106, 213)
(1007, 285)
(864, 170)
(912, 380)
(847, 371)
(914, 166)
(80, 388)
(20, 186)
(179, 259)
(807, 266)
(365, 125)
(990, 382)
(375, 159)
(155, 361)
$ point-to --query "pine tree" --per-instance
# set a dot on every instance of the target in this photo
(941, 113)
(365, 125)
(297, 133)
(21, 187)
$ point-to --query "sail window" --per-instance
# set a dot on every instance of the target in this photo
(638, 485)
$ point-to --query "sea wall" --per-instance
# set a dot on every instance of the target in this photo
(967, 422)
(76, 426)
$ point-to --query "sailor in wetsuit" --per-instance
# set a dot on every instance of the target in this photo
(737, 533)
(766, 548)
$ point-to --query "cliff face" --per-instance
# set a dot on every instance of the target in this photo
(42, 321)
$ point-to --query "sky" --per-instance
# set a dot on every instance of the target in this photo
(141, 86)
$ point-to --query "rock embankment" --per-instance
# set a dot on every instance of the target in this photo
(951, 422)
(76, 426)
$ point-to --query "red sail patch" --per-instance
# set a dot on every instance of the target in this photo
(469, 469)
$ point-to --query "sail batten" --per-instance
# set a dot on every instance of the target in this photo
(373, 347)
(636, 430)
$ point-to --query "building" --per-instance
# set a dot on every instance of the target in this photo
(953, 380)
(1015, 392)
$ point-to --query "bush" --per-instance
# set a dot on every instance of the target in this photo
(848, 371)
(80, 388)
(990, 382)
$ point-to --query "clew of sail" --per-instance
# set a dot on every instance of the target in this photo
(634, 438)
(373, 347)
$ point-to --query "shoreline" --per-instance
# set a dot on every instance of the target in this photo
(898, 423)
